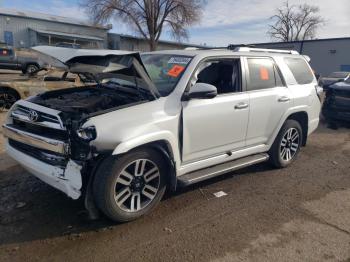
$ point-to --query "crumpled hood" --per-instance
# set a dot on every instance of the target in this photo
(65, 54)
(98, 61)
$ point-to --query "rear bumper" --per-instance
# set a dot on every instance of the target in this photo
(67, 180)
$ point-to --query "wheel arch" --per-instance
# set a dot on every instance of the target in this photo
(19, 95)
(303, 119)
(165, 148)
(298, 114)
(25, 65)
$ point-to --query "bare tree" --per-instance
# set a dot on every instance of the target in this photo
(148, 17)
(295, 22)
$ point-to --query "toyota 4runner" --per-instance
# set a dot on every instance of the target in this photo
(164, 119)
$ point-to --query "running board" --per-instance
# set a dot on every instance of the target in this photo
(210, 172)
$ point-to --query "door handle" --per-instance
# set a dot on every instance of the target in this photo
(284, 99)
(241, 106)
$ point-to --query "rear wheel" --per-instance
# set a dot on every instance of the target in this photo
(7, 98)
(130, 186)
(287, 144)
(31, 68)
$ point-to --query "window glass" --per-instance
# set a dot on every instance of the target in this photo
(261, 73)
(300, 69)
(165, 70)
(278, 78)
(223, 74)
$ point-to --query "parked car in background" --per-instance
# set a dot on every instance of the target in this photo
(336, 106)
(16, 87)
(23, 60)
(161, 120)
(52, 76)
(334, 77)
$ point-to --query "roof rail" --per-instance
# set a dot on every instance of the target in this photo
(249, 49)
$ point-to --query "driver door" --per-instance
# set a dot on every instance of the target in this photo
(218, 125)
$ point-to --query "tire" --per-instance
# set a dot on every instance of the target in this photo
(124, 192)
(31, 68)
(7, 98)
(287, 144)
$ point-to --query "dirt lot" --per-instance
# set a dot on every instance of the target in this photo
(301, 213)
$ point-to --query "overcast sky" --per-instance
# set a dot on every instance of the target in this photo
(223, 22)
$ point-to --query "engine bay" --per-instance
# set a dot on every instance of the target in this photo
(86, 100)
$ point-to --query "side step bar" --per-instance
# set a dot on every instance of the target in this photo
(210, 172)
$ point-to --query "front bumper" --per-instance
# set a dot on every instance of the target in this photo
(336, 114)
(67, 180)
(53, 145)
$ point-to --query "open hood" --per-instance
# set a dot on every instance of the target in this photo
(124, 65)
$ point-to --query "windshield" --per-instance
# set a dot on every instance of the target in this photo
(347, 80)
(339, 74)
(165, 70)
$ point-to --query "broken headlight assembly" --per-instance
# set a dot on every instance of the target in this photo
(87, 134)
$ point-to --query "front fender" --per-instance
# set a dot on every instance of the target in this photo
(166, 136)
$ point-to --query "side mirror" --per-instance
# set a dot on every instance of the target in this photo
(202, 91)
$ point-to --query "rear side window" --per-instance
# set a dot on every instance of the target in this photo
(300, 70)
(263, 74)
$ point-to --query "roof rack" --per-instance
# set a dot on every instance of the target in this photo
(249, 49)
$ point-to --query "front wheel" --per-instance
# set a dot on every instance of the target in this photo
(287, 144)
(128, 187)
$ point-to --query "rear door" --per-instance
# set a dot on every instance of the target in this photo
(269, 99)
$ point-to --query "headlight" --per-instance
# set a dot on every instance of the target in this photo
(87, 133)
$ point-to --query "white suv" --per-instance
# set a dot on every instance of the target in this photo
(162, 119)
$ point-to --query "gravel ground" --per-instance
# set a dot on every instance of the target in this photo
(296, 214)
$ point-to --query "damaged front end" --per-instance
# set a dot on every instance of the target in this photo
(38, 140)
(337, 102)
(46, 133)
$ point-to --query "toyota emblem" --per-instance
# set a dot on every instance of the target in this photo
(33, 116)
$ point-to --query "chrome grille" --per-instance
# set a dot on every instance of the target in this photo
(44, 132)
(22, 113)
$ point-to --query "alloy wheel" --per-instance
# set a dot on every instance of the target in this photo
(137, 185)
(31, 69)
(6, 100)
(290, 144)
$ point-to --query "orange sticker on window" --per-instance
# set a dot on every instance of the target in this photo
(175, 71)
(264, 73)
